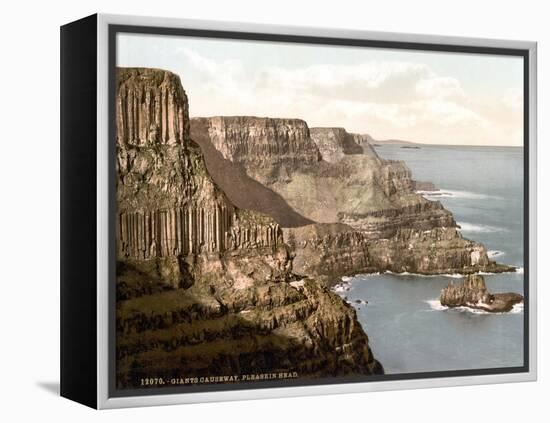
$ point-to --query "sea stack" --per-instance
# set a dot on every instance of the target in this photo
(473, 293)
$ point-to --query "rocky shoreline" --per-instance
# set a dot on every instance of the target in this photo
(231, 230)
(473, 293)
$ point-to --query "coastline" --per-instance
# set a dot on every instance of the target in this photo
(346, 278)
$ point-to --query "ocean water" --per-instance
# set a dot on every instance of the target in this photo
(409, 330)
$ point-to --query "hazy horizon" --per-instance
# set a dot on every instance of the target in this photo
(415, 96)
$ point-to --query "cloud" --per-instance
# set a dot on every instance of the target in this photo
(388, 99)
(220, 76)
(440, 87)
(376, 81)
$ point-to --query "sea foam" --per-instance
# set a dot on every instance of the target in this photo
(474, 227)
(441, 275)
(448, 193)
(436, 305)
(495, 253)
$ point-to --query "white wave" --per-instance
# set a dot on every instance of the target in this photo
(469, 195)
(436, 306)
(485, 273)
(434, 195)
(474, 227)
(448, 193)
(495, 253)
(340, 288)
(517, 308)
(444, 275)
(343, 286)
(420, 275)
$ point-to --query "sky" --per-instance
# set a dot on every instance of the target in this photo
(426, 97)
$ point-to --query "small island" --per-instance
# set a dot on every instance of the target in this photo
(473, 293)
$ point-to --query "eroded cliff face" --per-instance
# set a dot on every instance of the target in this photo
(205, 287)
(334, 143)
(327, 252)
(267, 148)
(354, 186)
(167, 203)
(370, 216)
(215, 329)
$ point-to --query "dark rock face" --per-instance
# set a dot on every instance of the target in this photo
(203, 286)
(367, 213)
(267, 327)
(474, 294)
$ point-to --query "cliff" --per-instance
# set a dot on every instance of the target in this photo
(268, 148)
(473, 293)
(359, 189)
(371, 216)
(268, 327)
(329, 251)
(167, 203)
(243, 190)
(335, 143)
(203, 286)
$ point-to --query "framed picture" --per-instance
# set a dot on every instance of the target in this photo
(253, 211)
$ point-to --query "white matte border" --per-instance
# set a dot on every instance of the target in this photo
(103, 400)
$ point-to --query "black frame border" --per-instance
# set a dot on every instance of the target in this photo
(78, 211)
(114, 29)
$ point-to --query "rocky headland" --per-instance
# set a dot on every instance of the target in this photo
(204, 285)
(363, 213)
(473, 293)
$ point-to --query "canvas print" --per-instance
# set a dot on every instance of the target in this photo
(291, 213)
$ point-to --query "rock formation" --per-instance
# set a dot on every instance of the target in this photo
(205, 287)
(360, 189)
(335, 143)
(259, 144)
(329, 251)
(242, 190)
(473, 293)
(423, 186)
(167, 203)
(366, 207)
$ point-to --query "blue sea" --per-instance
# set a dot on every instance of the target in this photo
(409, 330)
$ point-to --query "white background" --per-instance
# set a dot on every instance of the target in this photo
(29, 231)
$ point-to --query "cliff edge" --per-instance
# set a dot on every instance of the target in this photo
(205, 287)
(364, 213)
